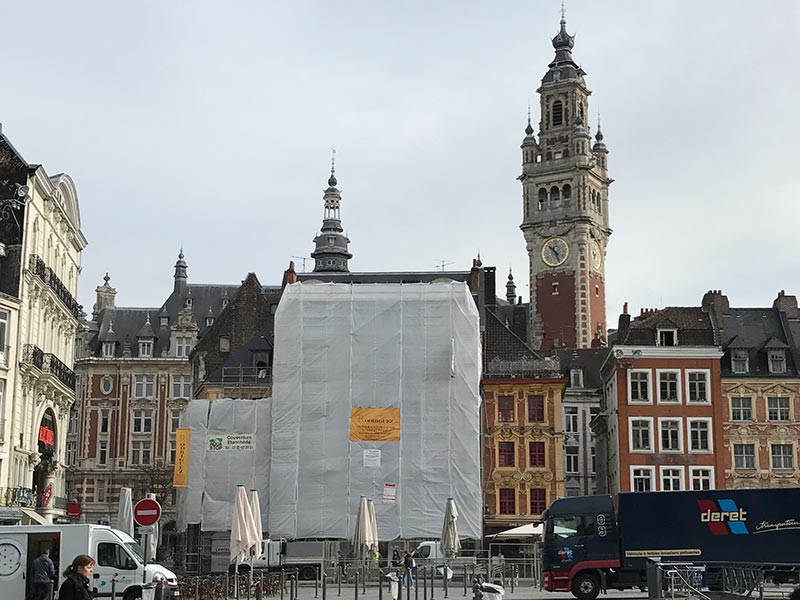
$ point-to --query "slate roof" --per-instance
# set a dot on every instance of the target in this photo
(757, 330)
(590, 360)
(693, 324)
(127, 323)
(514, 316)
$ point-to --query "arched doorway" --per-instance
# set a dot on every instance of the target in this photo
(47, 457)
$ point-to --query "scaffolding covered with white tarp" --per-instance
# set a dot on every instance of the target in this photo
(375, 393)
(229, 445)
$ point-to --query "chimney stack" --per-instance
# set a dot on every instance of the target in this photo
(715, 300)
(624, 324)
(786, 304)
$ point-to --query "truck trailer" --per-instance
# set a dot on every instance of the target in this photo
(594, 541)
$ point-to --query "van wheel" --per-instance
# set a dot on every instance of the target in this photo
(585, 586)
(308, 574)
(135, 594)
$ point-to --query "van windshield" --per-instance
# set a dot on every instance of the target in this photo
(136, 550)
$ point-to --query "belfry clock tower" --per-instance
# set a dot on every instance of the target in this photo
(565, 210)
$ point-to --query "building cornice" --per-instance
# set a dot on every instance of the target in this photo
(666, 352)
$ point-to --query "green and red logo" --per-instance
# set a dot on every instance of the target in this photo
(723, 516)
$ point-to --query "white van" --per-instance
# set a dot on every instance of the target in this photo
(114, 552)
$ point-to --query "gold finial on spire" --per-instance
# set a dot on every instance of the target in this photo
(333, 160)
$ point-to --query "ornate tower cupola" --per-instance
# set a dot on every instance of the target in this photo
(331, 251)
(511, 289)
(181, 278)
(565, 209)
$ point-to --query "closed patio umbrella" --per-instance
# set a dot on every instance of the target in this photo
(451, 545)
(125, 511)
(243, 529)
(255, 510)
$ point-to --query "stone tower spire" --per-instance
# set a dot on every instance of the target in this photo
(565, 209)
(331, 245)
(105, 297)
(181, 278)
(511, 288)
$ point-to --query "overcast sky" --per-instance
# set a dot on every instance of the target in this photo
(210, 124)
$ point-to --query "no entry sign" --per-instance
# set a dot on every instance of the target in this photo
(146, 512)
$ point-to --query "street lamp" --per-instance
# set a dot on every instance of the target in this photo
(9, 206)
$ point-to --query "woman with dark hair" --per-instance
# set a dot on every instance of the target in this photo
(78, 575)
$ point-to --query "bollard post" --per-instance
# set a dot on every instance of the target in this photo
(283, 582)
(324, 585)
(227, 584)
(380, 584)
(416, 584)
(513, 575)
(340, 572)
(296, 583)
(364, 579)
(400, 586)
(355, 587)
(425, 582)
(196, 587)
(408, 583)
(113, 588)
(433, 578)
(316, 583)
(444, 577)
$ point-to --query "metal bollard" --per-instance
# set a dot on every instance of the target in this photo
(196, 588)
(292, 584)
(513, 575)
(444, 579)
(425, 582)
(316, 582)
(324, 585)
(408, 586)
(465, 580)
(399, 586)
(355, 587)
(433, 578)
(283, 582)
(364, 580)
(340, 574)
(380, 584)
(296, 583)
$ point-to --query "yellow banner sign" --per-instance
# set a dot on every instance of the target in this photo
(374, 424)
(180, 476)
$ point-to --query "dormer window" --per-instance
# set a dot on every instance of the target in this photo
(777, 361)
(576, 378)
(740, 361)
(188, 301)
(667, 337)
(164, 321)
(224, 343)
(209, 321)
(224, 302)
(108, 349)
(145, 348)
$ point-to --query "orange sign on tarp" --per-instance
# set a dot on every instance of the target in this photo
(374, 424)
(180, 475)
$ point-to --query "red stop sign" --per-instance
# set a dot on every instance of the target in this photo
(146, 512)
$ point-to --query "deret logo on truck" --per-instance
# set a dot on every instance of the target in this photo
(723, 516)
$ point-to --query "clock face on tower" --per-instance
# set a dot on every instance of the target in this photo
(555, 252)
(597, 254)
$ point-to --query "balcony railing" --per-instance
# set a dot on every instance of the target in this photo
(33, 355)
(17, 496)
(63, 373)
(242, 376)
(48, 363)
(46, 274)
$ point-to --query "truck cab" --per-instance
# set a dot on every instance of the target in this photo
(580, 543)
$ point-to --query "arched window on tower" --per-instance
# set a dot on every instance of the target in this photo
(558, 112)
(555, 196)
(566, 194)
(542, 198)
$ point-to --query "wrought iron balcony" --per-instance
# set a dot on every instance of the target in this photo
(33, 355)
(48, 363)
(17, 496)
(46, 274)
(52, 364)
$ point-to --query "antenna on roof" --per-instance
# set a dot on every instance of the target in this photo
(304, 259)
(563, 11)
(444, 263)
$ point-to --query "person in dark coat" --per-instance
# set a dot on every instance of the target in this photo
(43, 572)
(78, 575)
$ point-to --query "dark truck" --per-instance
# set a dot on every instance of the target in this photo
(594, 541)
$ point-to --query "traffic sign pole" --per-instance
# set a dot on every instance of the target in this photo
(146, 513)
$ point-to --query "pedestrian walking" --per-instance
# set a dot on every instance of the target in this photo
(43, 572)
(409, 564)
(78, 575)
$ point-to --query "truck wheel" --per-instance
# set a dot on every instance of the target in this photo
(585, 586)
(308, 574)
(134, 594)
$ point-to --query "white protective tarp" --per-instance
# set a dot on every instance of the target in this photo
(229, 444)
(415, 347)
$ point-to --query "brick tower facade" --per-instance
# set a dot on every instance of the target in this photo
(565, 210)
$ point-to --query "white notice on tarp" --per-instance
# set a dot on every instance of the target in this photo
(390, 493)
(372, 458)
(225, 442)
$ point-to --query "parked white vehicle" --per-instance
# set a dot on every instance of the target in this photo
(114, 552)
